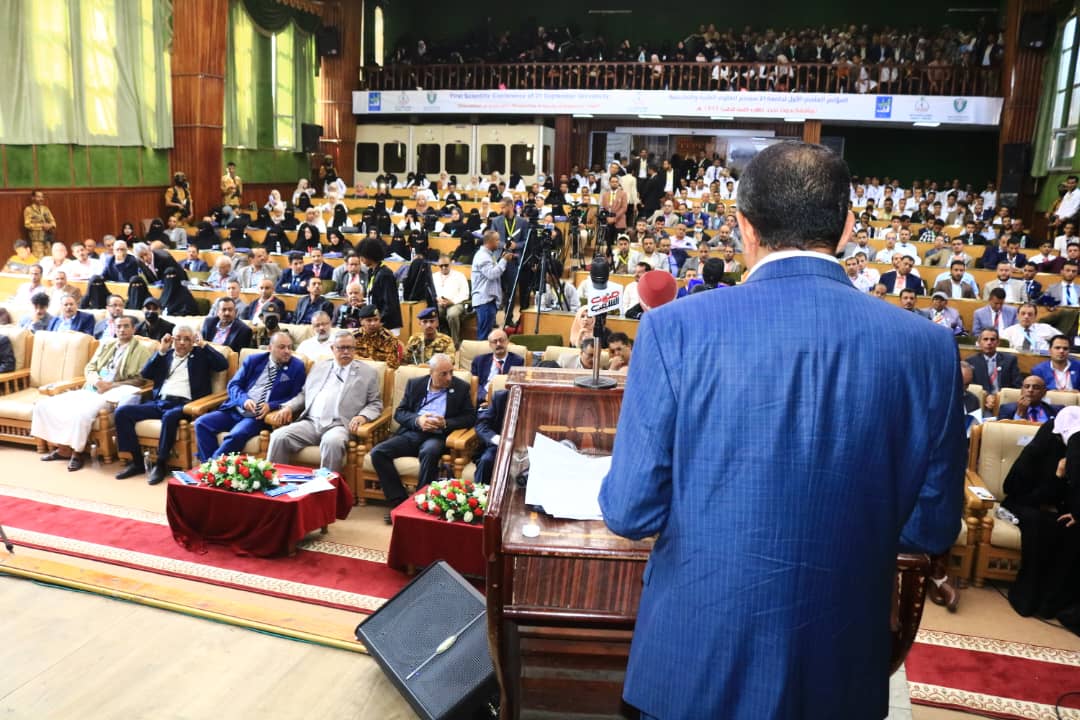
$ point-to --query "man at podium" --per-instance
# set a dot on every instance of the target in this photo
(741, 445)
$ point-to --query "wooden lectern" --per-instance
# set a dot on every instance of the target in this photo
(561, 606)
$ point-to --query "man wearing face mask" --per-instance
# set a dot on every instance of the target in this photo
(153, 326)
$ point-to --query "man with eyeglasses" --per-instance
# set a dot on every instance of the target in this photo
(1031, 405)
(339, 396)
(451, 292)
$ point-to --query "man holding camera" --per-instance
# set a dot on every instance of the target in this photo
(348, 315)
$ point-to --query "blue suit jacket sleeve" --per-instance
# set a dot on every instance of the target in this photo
(934, 522)
(249, 371)
(83, 322)
(635, 496)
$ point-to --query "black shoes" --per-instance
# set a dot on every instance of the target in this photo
(158, 474)
(76, 462)
(131, 470)
(54, 455)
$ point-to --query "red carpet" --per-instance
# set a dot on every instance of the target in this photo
(325, 573)
(992, 677)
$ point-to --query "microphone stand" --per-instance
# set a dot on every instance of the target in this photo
(595, 382)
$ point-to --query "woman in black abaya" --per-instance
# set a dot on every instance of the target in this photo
(175, 298)
(1043, 491)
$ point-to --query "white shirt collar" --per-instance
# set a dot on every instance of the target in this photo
(784, 255)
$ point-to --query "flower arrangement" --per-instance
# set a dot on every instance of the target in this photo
(454, 500)
(238, 472)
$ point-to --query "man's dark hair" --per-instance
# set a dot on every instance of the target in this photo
(1060, 337)
(1073, 263)
(40, 300)
(795, 195)
(712, 272)
(954, 263)
(1070, 177)
(225, 299)
(906, 291)
(372, 249)
(296, 255)
(21, 243)
(997, 293)
(620, 337)
(587, 342)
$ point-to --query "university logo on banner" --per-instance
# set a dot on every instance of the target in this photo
(883, 106)
(374, 101)
(959, 104)
(432, 97)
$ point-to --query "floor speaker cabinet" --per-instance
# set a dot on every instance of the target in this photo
(1015, 169)
(327, 42)
(431, 641)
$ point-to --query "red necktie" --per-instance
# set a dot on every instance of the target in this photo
(498, 366)
(997, 320)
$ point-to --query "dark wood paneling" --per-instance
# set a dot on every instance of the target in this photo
(198, 83)
(338, 77)
(81, 212)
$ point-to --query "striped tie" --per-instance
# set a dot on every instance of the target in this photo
(271, 375)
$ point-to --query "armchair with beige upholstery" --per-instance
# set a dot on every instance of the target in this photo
(993, 449)
(22, 345)
(552, 353)
(358, 444)
(56, 359)
(1054, 397)
(463, 443)
(375, 432)
(183, 454)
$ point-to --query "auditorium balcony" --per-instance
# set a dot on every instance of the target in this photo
(854, 77)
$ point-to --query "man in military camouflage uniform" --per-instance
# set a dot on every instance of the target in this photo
(421, 347)
(374, 342)
(40, 224)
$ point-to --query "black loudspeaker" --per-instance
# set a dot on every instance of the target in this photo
(1036, 30)
(310, 135)
(431, 641)
(328, 42)
(1015, 167)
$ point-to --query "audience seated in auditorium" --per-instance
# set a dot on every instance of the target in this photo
(382, 287)
(1028, 335)
(55, 260)
(112, 376)
(319, 345)
(431, 408)
(39, 318)
(497, 362)
(489, 422)
(257, 269)
(941, 314)
(226, 329)
(620, 347)
(253, 310)
(294, 279)
(347, 314)
(121, 266)
(153, 325)
(1066, 292)
(31, 287)
(264, 382)
(907, 299)
(347, 272)
(1031, 406)
(851, 267)
(429, 341)
(194, 263)
(71, 318)
(340, 395)
(7, 355)
(181, 370)
(1013, 289)
(176, 299)
(232, 291)
(311, 303)
(958, 283)
(221, 274)
(154, 263)
(22, 260)
(451, 292)
(317, 267)
(1060, 372)
(903, 277)
(993, 370)
(995, 315)
(105, 329)
(81, 266)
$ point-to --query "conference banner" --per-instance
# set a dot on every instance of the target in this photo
(659, 104)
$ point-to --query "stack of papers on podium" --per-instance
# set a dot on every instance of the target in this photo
(565, 483)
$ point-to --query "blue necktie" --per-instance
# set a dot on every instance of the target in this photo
(1068, 294)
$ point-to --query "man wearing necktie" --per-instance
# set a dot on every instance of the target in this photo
(1066, 291)
(993, 370)
(497, 362)
(264, 383)
(1031, 405)
(340, 395)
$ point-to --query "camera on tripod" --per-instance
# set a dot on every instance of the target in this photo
(349, 317)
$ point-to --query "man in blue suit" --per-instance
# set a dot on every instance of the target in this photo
(497, 362)
(767, 594)
(181, 371)
(995, 315)
(72, 318)
(1060, 372)
(265, 381)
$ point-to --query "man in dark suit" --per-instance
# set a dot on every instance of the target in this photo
(489, 424)
(639, 169)
(294, 278)
(226, 328)
(153, 263)
(897, 280)
(824, 636)
(317, 267)
(993, 370)
(72, 318)
(122, 266)
(1031, 405)
(153, 325)
(264, 383)
(193, 263)
(497, 362)
(312, 303)
(181, 371)
(652, 193)
(431, 409)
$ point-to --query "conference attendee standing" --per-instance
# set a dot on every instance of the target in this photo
(487, 283)
(785, 626)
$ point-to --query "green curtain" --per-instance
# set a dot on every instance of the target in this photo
(258, 114)
(71, 82)
(1044, 124)
(272, 16)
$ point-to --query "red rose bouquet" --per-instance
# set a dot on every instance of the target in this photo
(238, 472)
(454, 500)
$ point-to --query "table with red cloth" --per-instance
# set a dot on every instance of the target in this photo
(252, 523)
(419, 539)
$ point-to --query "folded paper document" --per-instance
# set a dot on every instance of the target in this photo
(565, 483)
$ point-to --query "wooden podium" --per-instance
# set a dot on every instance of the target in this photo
(561, 606)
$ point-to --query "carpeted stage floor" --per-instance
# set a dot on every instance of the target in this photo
(75, 654)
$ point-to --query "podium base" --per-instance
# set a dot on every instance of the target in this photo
(598, 383)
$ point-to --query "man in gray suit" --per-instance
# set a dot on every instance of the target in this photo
(339, 396)
(1014, 289)
(1066, 292)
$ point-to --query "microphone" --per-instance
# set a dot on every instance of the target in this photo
(601, 300)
